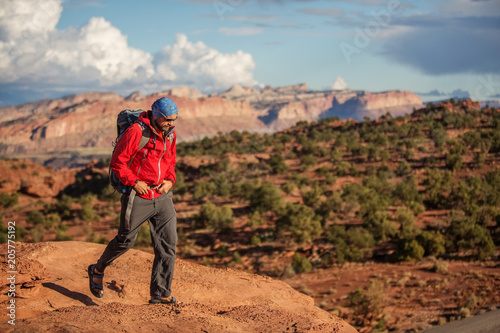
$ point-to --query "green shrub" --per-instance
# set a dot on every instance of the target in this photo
(353, 244)
(87, 199)
(223, 188)
(242, 190)
(20, 233)
(378, 223)
(343, 168)
(492, 178)
(479, 159)
(300, 180)
(236, 257)
(219, 219)
(51, 220)
(278, 164)
(61, 236)
(373, 153)
(384, 155)
(222, 251)
(373, 203)
(8, 201)
(63, 206)
(453, 162)
(433, 242)
(380, 140)
(360, 238)
(3, 231)
(332, 204)
(366, 304)
(406, 219)
(308, 161)
(472, 139)
(323, 171)
(37, 233)
(34, 217)
(438, 186)
(300, 263)
(330, 179)
(266, 198)
(407, 191)
(301, 222)
(254, 219)
(439, 266)
(409, 249)
(336, 154)
(378, 183)
(255, 240)
(288, 187)
(312, 198)
(465, 234)
(225, 219)
(403, 168)
(438, 135)
(180, 186)
(87, 213)
(204, 190)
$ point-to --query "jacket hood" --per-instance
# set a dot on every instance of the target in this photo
(145, 117)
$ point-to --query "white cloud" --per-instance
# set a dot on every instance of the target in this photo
(241, 31)
(339, 84)
(185, 63)
(253, 18)
(26, 19)
(331, 12)
(468, 7)
(35, 55)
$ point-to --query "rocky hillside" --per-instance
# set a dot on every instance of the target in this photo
(391, 224)
(52, 295)
(87, 121)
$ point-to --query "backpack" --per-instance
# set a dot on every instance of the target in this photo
(124, 120)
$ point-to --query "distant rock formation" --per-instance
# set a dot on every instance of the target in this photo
(282, 107)
(374, 105)
(88, 120)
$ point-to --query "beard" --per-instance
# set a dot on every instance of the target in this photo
(166, 127)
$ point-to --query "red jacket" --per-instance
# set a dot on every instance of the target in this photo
(153, 164)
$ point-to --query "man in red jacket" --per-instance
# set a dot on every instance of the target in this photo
(150, 175)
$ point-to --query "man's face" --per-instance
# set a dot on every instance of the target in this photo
(164, 123)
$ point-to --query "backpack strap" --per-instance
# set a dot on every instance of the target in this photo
(146, 135)
(169, 134)
(113, 179)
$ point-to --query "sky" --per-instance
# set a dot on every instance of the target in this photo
(437, 49)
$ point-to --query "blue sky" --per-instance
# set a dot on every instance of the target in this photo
(439, 49)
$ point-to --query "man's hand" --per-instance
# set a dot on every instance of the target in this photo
(166, 185)
(141, 187)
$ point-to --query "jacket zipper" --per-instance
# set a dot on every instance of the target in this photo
(159, 161)
(142, 160)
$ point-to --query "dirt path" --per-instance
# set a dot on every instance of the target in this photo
(52, 289)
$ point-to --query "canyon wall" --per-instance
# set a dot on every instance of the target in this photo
(88, 120)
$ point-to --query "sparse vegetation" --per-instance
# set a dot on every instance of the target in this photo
(323, 194)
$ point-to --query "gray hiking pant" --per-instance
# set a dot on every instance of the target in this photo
(162, 218)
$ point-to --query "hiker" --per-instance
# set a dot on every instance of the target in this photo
(149, 174)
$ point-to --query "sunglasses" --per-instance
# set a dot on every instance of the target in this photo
(169, 119)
